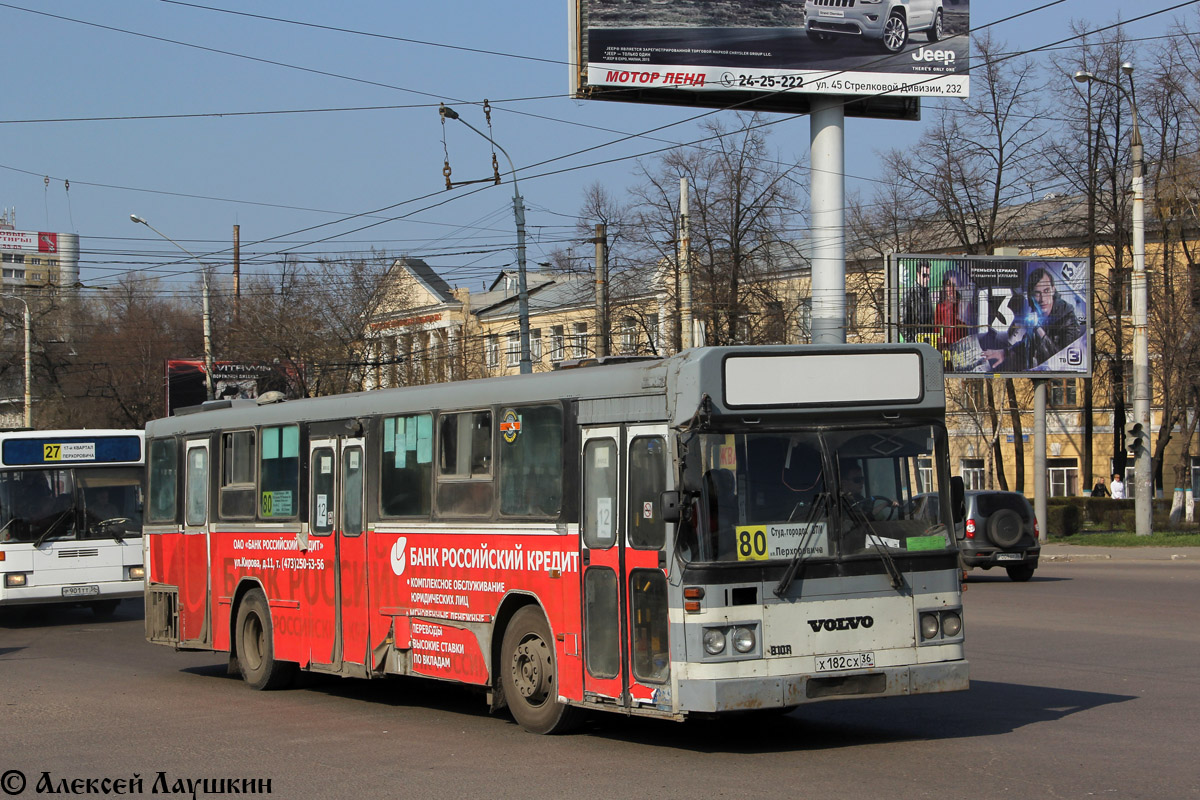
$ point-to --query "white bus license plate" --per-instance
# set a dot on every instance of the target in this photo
(845, 661)
(1009, 556)
(81, 591)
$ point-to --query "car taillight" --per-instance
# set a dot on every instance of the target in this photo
(1036, 533)
(970, 528)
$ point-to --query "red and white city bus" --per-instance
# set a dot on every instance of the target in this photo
(723, 530)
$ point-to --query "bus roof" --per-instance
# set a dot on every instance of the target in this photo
(761, 381)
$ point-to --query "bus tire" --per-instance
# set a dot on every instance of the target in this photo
(528, 673)
(256, 645)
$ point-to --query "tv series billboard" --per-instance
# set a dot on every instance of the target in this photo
(889, 48)
(995, 315)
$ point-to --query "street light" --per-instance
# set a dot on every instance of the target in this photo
(1141, 349)
(208, 359)
(28, 367)
(519, 213)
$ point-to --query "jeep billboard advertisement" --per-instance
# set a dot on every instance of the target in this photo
(995, 315)
(861, 48)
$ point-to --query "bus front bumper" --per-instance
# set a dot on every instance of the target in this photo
(85, 593)
(748, 694)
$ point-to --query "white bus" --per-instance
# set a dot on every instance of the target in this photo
(71, 517)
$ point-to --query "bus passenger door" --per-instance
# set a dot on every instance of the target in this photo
(321, 584)
(600, 558)
(622, 543)
(352, 555)
(337, 606)
(195, 581)
(645, 477)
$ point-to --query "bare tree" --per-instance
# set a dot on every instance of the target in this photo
(741, 207)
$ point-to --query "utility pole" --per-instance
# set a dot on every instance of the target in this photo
(685, 269)
(602, 323)
(237, 273)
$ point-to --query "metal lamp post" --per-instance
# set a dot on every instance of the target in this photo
(28, 363)
(519, 213)
(1143, 478)
(207, 317)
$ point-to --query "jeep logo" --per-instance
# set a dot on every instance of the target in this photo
(940, 56)
(841, 623)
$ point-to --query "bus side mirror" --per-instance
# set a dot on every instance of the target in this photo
(669, 502)
(958, 499)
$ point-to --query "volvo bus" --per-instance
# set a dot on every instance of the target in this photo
(71, 517)
(724, 530)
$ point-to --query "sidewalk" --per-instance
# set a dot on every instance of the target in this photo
(1071, 552)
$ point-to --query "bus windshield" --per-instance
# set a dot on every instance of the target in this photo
(813, 495)
(53, 504)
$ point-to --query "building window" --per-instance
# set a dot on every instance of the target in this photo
(851, 312)
(535, 345)
(1063, 393)
(973, 474)
(493, 350)
(579, 340)
(804, 321)
(776, 324)
(925, 475)
(1064, 476)
(557, 343)
(652, 332)
(512, 349)
(628, 336)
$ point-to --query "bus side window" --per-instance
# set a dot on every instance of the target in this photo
(530, 467)
(464, 464)
(406, 468)
(279, 472)
(163, 474)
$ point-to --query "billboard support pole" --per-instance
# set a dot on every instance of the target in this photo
(1039, 457)
(827, 156)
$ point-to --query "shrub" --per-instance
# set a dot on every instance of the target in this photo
(1063, 519)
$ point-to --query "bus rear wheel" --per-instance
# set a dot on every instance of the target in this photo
(528, 673)
(256, 645)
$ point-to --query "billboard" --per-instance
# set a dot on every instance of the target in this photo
(995, 315)
(30, 241)
(231, 381)
(771, 55)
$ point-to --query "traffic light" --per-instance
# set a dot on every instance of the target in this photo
(1133, 437)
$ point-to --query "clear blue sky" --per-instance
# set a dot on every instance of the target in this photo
(279, 175)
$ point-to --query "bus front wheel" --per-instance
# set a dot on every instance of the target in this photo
(256, 645)
(528, 672)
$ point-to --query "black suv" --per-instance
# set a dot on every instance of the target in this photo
(1000, 531)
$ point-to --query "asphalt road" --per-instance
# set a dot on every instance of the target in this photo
(1084, 684)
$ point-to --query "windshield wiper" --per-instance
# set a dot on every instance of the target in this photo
(889, 563)
(50, 528)
(789, 574)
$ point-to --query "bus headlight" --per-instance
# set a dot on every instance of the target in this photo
(929, 626)
(714, 641)
(13, 579)
(743, 640)
(951, 624)
(137, 573)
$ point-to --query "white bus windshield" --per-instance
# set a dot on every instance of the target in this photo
(769, 496)
(55, 504)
